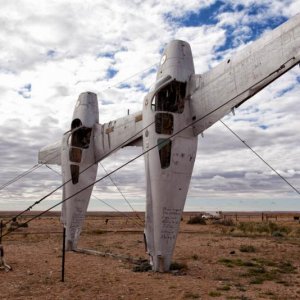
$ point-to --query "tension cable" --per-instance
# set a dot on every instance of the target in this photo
(18, 177)
(97, 161)
(21, 176)
(263, 160)
(30, 170)
(137, 215)
(131, 160)
(132, 76)
(36, 166)
(93, 196)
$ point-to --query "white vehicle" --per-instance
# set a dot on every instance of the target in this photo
(179, 108)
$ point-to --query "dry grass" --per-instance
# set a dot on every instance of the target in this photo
(218, 261)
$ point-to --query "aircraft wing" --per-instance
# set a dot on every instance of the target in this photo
(225, 87)
(119, 133)
(50, 154)
(108, 137)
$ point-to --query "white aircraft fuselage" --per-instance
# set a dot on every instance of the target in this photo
(78, 166)
(169, 166)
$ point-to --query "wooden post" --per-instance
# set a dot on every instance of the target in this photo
(63, 256)
(262, 217)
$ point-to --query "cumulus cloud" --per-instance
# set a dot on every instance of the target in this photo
(56, 50)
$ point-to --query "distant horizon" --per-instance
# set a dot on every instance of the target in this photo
(137, 211)
(234, 203)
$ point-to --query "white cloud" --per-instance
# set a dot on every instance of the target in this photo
(62, 48)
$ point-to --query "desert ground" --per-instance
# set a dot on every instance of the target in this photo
(238, 257)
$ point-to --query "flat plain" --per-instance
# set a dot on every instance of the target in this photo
(240, 256)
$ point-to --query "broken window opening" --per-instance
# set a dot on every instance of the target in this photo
(81, 137)
(74, 173)
(76, 123)
(170, 98)
(164, 149)
(75, 154)
(164, 123)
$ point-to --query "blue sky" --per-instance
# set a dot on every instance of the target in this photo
(54, 51)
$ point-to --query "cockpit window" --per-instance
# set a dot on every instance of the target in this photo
(170, 98)
(164, 149)
(74, 173)
(76, 123)
(81, 137)
(75, 155)
(164, 123)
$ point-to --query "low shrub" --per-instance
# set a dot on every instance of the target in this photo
(178, 266)
(195, 257)
(142, 267)
(224, 222)
(277, 234)
(224, 288)
(214, 294)
(196, 220)
(247, 248)
(264, 227)
(191, 295)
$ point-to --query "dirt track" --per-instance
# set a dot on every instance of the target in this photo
(214, 267)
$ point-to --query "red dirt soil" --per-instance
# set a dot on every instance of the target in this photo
(214, 265)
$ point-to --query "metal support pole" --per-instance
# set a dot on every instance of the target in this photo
(63, 256)
(1, 231)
